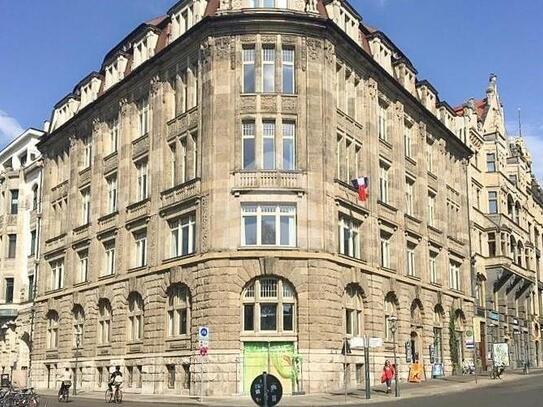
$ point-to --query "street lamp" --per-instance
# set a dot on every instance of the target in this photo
(393, 321)
(77, 345)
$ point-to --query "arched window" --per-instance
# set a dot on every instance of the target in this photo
(416, 312)
(438, 333)
(269, 306)
(354, 318)
(79, 324)
(35, 197)
(135, 317)
(178, 310)
(510, 207)
(391, 310)
(104, 321)
(513, 248)
(520, 253)
(52, 330)
(480, 295)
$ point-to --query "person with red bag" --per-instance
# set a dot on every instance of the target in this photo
(387, 375)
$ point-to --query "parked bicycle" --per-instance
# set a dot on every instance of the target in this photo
(12, 397)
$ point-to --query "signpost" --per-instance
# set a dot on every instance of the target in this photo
(203, 339)
(266, 390)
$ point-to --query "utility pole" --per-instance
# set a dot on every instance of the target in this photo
(77, 345)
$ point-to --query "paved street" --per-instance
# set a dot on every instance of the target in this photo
(519, 393)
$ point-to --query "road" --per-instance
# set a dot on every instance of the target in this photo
(520, 393)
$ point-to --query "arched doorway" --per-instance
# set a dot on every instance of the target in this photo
(459, 325)
(416, 345)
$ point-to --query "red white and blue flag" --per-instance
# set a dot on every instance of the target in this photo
(361, 184)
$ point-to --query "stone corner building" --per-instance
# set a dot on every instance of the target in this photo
(202, 178)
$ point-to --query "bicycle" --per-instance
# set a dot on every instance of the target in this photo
(64, 394)
(114, 396)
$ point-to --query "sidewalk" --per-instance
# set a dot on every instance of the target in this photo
(449, 384)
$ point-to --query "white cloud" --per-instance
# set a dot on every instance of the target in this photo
(533, 136)
(9, 128)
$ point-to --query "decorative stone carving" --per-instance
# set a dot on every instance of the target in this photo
(205, 52)
(225, 5)
(248, 103)
(289, 104)
(222, 46)
(314, 46)
(236, 4)
(329, 52)
(248, 39)
(372, 88)
(156, 85)
(204, 221)
(268, 104)
(422, 130)
(194, 119)
(268, 39)
(398, 109)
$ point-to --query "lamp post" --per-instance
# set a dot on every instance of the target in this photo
(393, 326)
(77, 345)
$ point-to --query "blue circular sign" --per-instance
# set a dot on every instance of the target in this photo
(203, 331)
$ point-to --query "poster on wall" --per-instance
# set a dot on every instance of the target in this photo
(437, 370)
(501, 354)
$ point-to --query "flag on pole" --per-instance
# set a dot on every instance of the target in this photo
(361, 184)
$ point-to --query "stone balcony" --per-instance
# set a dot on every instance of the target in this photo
(59, 191)
(183, 123)
(138, 210)
(55, 243)
(180, 193)
(81, 232)
(85, 176)
(108, 221)
(111, 162)
(11, 220)
(140, 146)
(268, 180)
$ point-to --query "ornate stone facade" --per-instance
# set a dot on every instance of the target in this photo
(239, 190)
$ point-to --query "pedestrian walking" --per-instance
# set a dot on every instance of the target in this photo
(387, 375)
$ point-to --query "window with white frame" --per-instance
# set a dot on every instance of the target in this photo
(491, 162)
(194, 86)
(109, 258)
(52, 330)
(57, 274)
(289, 145)
(382, 122)
(384, 182)
(249, 70)
(112, 193)
(104, 321)
(288, 70)
(349, 236)
(268, 145)
(268, 225)
(79, 324)
(85, 206)
(178, 310)
(83, 268)
(431, 208)
(269, 304)
(429, 158)
(353, 310)
(384, 243)
(183, 235)
(248, 145)
(143, 116)
(140, 248)
(135, 317)
(87, 152)
(268, 69)
(409, 197)
(408, 140)
(142, 172)
(492, 202)
(454, 275)
(432, 267)
(411, 265)
(113, 135)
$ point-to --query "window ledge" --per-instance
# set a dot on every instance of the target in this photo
(387, 205)
(55, 290)
(347, 257)
(139, 138)
(110, 215)
(434, 229)
(410, 159)
(416, 278)
(268, 247)
(84, 170)
(178, 338)
(105, 277)
(81, 284)
(432, 175)
(385, 143)
(436, 284)
(172, 259)
(110, 155)
(248, 336)
(138, 268)
(390, 270)
(411, 217)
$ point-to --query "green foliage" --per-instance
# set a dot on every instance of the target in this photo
(453, 344)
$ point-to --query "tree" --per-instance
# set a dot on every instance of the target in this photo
(453, 343)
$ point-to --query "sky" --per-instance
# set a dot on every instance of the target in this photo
(46, 47)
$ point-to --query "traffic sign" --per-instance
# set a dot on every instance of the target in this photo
(203, 333)
(266, 387)
(203, 350)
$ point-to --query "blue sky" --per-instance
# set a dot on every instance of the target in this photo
(46, 47)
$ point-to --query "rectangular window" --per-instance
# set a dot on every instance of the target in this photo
(349, 237)
(288, 317)
(289, 146)
(268, 69)
(383, 130)
(183, 236)
(87, 152)
(33, 242)
(9, 284)
(268, 317)
(492, 202)
(409, 186)
(113, 135)
(143, 116)
(83, 272)
(140, 240)
(110, 258)
(195, 85)
(14, 205)
(30, 295)
(248, 70)
(383, 183)
(85, 206)
(491, 244)
(408, 141)
(454, 275)
(268, 225)
(194, 140)
(432, 267)
(491, 162)
(57, 275)
(268, 145)
(431, 209)
(12, 246)
(411, 260)
(249, 317)
(112, 193)
(429, 158)
(142, 176)
(384, 251)
(248, 145)
(288, 70)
